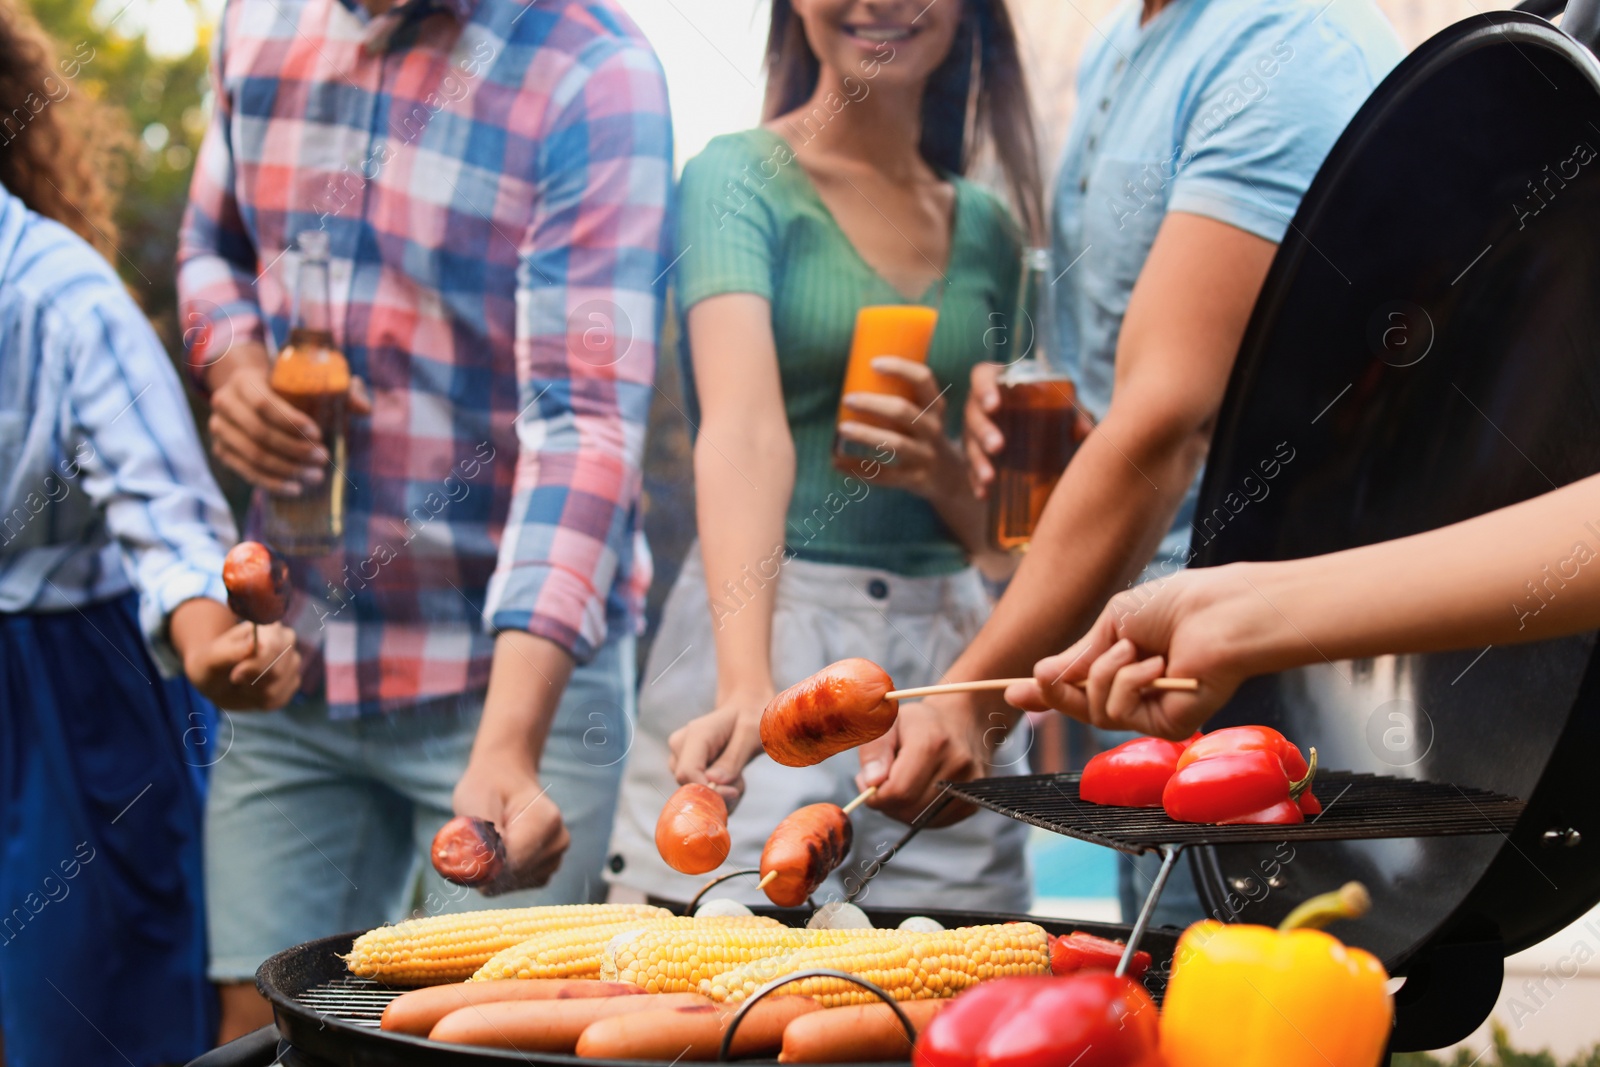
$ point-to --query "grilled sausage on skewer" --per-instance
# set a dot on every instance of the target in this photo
(257, 580)
(692, 832)
(803, 851)
(469, 851)
(840, 707)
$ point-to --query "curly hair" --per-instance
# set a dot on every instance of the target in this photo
(57, 145)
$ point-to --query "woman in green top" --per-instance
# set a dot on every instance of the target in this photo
(849, 195)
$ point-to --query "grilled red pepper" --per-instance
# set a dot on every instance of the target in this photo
(1079, 951)
(1243, 774)
(1133, 774)
(1088, 1020)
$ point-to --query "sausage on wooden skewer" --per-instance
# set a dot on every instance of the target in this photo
(692, 832)
(842, 706)
(853, 701)
(804, 849)
(469, 851)
(257, 580)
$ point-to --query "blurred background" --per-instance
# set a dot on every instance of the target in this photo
(149, 65)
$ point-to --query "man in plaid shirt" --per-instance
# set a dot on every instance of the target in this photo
(493, 178)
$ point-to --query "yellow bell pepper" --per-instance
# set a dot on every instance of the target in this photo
(1252, 996)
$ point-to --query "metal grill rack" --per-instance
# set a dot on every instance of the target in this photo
(1353, 806)
(357, 1001)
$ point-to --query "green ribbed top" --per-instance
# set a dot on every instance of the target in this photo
(751, 221)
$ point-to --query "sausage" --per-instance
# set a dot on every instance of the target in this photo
(693, 1033)
(692, 832)
(804, 850)
(469, 851)
(838, 708)
(544, 1025)
(419, 1010)
(257, 580)
(861, 1033)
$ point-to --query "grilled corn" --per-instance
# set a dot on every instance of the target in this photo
(579, 953)
(909, 966)
(449, 948)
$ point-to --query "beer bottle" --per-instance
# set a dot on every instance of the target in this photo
(311, 374)
(1037, 415)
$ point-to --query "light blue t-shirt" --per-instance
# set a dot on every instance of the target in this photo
(1221, 108)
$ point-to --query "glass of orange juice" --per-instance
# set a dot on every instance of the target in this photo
(902, 330)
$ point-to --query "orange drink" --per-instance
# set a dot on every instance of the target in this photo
(902, 330)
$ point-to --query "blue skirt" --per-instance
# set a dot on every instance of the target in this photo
(102, 774)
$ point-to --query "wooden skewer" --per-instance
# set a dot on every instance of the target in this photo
(866, 795)
(766, 879)
(1171, 685)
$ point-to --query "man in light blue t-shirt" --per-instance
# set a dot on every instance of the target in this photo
(1222, 109)
(1200, 125)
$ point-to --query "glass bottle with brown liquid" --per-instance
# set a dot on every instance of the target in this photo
(1037, 417)
(311, 374)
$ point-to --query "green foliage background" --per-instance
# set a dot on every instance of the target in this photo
(145, 91)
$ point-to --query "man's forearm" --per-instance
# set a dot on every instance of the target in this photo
(1105, 519)
(526, 682)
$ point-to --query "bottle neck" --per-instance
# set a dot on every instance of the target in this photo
(310, 314)
(1038, 315)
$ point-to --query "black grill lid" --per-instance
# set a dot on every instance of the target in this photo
(1427, 348)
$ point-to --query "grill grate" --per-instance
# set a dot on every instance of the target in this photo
(358, 1001)
(1354, 806)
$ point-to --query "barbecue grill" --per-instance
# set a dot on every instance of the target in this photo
(1424, 347)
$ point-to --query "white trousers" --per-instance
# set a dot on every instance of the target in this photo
(914, 628)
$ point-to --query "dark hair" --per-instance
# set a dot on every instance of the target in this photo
(56, 144)
(980, 85)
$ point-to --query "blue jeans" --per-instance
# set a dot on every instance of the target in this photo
(316, 826)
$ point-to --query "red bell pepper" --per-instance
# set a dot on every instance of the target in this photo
(1243, 774)
(1093, 1019)
(1079, 951)
(1133, 774)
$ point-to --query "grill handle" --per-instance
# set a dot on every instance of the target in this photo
(816, 972)
(259, 1048)
(1581, 23)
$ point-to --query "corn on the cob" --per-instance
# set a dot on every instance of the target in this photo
(685, 961)
(449, 948)
(912, 966)
(579, 953)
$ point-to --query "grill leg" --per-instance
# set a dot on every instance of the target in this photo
(1169, 856)
(928, 815)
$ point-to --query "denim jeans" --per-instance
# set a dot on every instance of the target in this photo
(316, 827)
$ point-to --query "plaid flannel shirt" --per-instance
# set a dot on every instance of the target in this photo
(494, 178)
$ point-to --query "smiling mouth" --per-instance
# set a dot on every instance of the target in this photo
(876, 34)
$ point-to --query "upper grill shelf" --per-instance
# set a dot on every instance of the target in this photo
(1353, 806)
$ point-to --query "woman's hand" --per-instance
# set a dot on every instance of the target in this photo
(1195, 624)
(237, 665)
(980, 436)
(925, 461)
(715, 748)
(982, 439)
